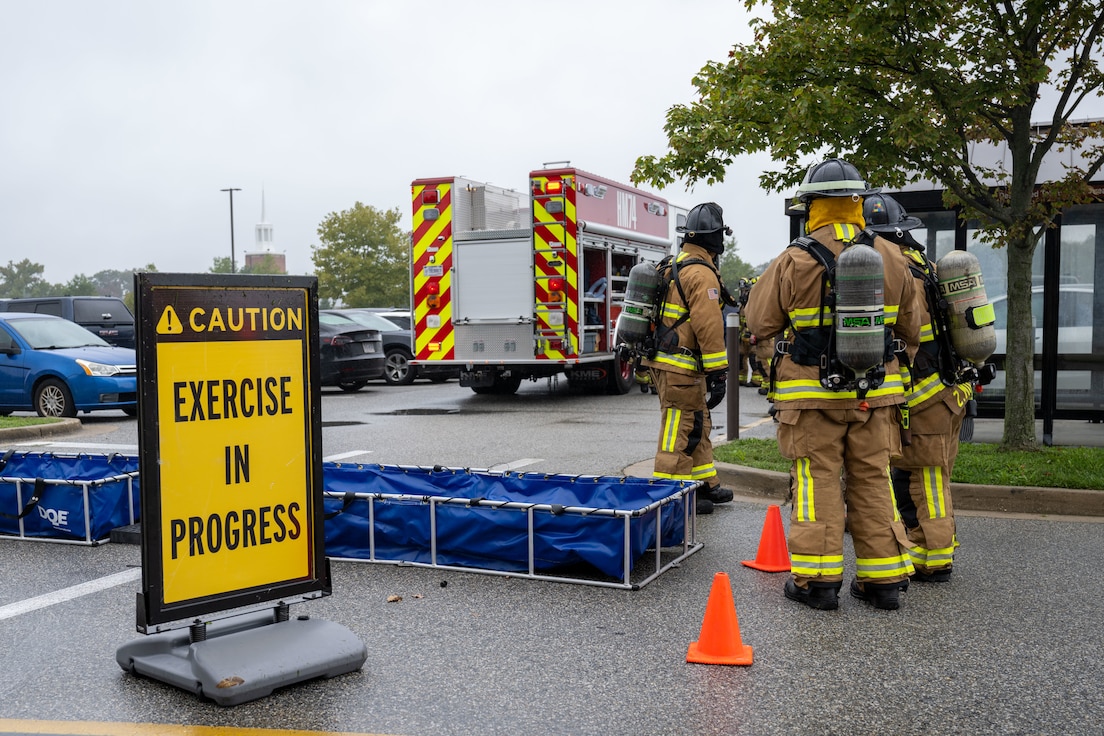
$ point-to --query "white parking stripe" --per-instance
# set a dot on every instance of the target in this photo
(67, 594)
(345, 455)
(503, 467)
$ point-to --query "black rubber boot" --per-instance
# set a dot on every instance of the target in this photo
(821, 596)
(703, 506)
(942, 575)
(879, 595)
(717, 494)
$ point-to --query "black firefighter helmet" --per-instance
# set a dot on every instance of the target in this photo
(833, 178)
(705, 227)
(884, 214)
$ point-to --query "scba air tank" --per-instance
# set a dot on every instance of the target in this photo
(634, 323)
(860, 308)
(969, 313)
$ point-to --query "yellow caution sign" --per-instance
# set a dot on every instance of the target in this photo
(229, 445)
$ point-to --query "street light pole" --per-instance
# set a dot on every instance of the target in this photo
(233, 264)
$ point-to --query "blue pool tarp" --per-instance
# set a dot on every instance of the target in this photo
(477, 519)
(74, 498)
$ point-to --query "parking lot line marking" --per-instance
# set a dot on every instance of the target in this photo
(503, 467)
(67, 594)
(345, 455)
(103, 728)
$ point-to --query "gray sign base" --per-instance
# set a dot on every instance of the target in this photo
(246, 657)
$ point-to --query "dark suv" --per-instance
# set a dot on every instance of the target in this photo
(106, 316)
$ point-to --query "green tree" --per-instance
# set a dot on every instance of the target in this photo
(23, 279)
(732, 267)
(221, 264)
(905, 89)
(79, 285)
(362, 260)
(267, 264)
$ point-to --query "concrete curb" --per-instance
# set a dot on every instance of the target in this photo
(64, 426)
(769, 486)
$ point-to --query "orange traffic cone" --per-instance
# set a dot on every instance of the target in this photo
(719, 641)
(773, 555)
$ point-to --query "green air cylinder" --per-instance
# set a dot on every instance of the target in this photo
(969, 313)
(635, 321)
(860, 308)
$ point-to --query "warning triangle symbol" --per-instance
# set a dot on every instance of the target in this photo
(169, 324)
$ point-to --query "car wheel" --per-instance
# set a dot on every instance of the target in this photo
(351, 386)
(52, 399)
(397, 371)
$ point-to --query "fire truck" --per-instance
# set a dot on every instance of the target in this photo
(509, 286)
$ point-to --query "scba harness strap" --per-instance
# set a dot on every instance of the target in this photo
(665, 338)
(817, 345)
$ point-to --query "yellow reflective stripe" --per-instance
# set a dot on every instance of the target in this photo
(703, 471)
(670, 429)
(925, 389)
(934, 489)
(890, 311)
(673, 311)
(810, 317)
(811, 389)
(672, 476)
(816, 565)
(714, 361)
(927, 334)
(679, 361)
(883, 567)
(845, 231)
(803, 502)
(932, 558)
(889, 488)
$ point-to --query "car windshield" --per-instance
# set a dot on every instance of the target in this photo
(44, 333)
(338, 320)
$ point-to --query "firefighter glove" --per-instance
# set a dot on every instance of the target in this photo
(716, 384)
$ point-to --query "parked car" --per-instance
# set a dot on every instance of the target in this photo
(106, 316)
(351, 354)
(400, 317)
(398, 344)
(56, 368)
(1075, 332)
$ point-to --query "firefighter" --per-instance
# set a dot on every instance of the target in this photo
(751, 370)
(827, 428)
(690, 360)
(936, 407)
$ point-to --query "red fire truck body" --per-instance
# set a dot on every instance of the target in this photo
(510, 285)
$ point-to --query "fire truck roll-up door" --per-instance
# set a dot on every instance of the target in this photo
(493, 316)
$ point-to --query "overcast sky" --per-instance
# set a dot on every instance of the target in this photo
(121, 120)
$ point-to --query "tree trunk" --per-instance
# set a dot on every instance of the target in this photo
(1019, 373)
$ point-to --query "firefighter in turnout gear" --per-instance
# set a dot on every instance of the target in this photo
(828, 425)
(751, 369)
(690, 361)
(936, 407)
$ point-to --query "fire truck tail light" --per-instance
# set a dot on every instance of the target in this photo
(433, 288)
(556, 284)
(555, 344)
(434, 347)
(431, 213)
(433, 301)
(430, 196)
(554, 187)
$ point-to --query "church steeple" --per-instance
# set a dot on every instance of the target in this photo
(262, 256)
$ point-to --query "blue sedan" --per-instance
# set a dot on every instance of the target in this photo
(57, 368)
